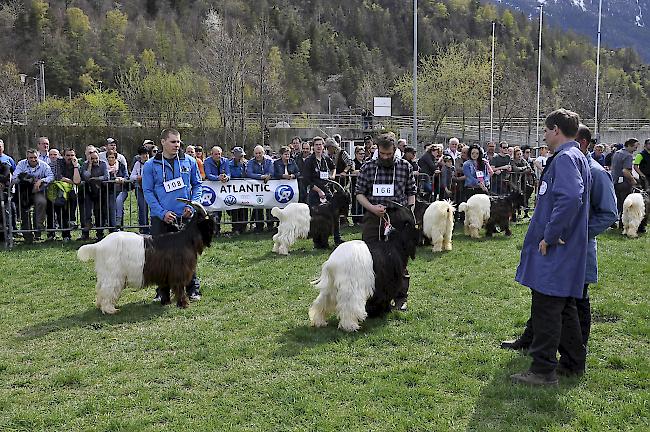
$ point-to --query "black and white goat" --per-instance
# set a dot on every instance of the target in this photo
(168, 260)
(490, 211)
(300, 221)
(360, 279)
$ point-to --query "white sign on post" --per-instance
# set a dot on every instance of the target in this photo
(382, 107)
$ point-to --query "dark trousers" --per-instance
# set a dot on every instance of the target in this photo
(239, 219)
(555, 328)
(158, 227)
(370, 231)
(66, 214)
(257, 217)
(583, 306)
(217, 221)
(52, 219)
(622, 190)
(40, 205)
(96, 206)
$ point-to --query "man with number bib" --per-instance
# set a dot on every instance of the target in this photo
(169, 175)
(380, 183)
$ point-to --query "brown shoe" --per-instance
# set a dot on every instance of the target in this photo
(532, 378)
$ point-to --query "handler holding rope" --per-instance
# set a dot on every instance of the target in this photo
(380, 183)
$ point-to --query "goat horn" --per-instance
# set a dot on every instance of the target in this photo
(195, 205)
(336, 184)
(406, 209)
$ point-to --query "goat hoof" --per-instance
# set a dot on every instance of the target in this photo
(183, 304)
(165, 302)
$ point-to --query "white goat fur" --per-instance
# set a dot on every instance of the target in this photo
(438, 224)
(477, 212)
(294, 225)
(633, 213)
(119, 260)
(346, 282)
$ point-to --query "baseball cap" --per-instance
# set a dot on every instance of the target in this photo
(110, 141)
(147, 141)
(238, 151)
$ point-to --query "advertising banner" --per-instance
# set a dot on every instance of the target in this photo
(238, 193)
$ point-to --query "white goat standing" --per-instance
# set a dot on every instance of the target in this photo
(294, 225)
(438, 224)
(633, 214)
(477, 212)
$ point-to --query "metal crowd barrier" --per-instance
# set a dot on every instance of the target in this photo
(92, 212)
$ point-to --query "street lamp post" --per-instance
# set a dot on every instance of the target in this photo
(608, 96)
(600, 9)
(100, 84)
(539, 69)
(23, 81)
(329, 104)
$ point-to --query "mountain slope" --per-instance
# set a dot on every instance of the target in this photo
(625, 23)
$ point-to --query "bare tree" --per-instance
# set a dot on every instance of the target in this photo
(223, 58)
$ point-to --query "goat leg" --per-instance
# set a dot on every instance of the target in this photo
(181, 297)
(489, 229)
(506, 227)
(165, 297)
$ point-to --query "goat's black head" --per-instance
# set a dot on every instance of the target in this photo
(340, 197)
(202, 220)
(517, 199)
(405, 233)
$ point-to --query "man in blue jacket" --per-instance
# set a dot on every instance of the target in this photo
(554, 255)
(260, 168)
(217, 168)
(602, 214)
(169, 175)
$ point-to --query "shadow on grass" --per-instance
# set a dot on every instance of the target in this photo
(94, 319)
(297, 339)
(504, 406)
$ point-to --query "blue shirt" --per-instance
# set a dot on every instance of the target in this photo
(602, 214)
(278, 168)
(469, 170)
(237, 169)
(158, 170)
(8, 160)
(562, 212)
(40, 171)
(212, 171)
(256, 170)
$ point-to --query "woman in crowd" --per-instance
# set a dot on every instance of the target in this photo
(117, 174)
(285, 167)
(357, 163)
(198, 155)
(476, 171)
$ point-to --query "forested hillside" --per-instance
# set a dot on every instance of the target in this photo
(219, 58)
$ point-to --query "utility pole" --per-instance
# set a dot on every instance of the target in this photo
(539, 71)
(600, 9)
(492, 88)
(41, 68)
(415, 73)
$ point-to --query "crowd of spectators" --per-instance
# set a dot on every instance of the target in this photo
(50, 185)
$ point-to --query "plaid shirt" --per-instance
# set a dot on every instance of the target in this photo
(400, 175)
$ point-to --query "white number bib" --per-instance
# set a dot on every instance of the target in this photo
(324, 175)
(174, 184)
(382, 190)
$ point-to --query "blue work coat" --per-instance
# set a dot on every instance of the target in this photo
(602, 213)
(256, 170)
(158, 170)
(562, 212)
(212, 172)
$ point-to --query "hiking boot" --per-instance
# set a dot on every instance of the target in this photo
(535, 379)
(516, 344)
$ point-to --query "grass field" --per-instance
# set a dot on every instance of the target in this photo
(245, 359)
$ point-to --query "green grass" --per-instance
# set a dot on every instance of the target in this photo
(245, 359)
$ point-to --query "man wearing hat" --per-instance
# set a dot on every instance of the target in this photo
(237, 168)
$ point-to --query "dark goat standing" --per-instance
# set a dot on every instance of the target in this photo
(389, 259)
(170, 259)
(420, 209)
(324, 217)
(502, 209)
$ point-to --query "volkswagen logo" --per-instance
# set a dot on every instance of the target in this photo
(230, 200)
